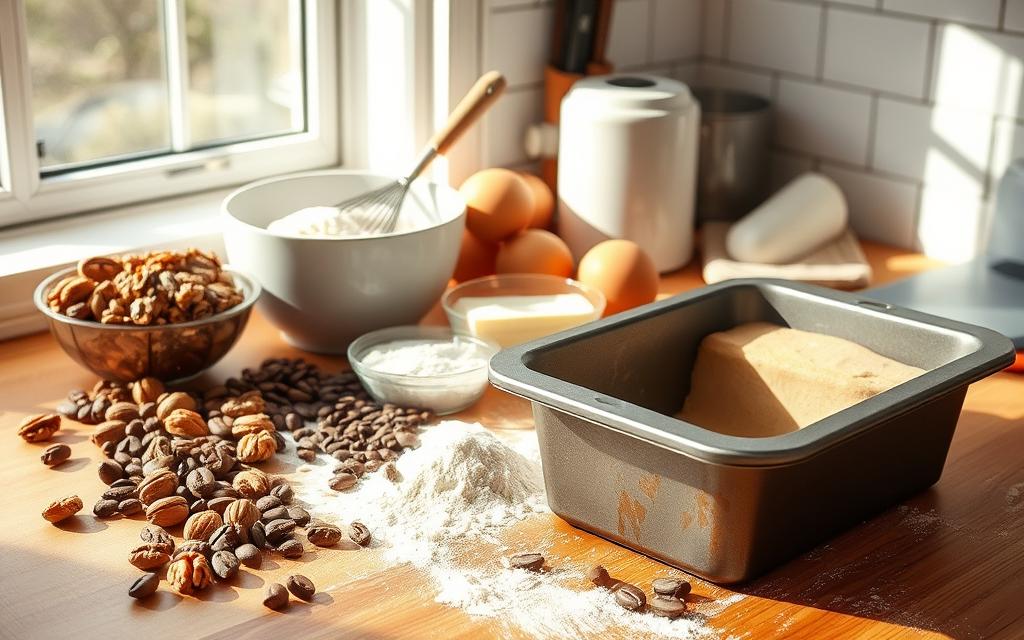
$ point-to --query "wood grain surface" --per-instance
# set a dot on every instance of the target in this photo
(948, 563)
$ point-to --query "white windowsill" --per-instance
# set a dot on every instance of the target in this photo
(30, 253)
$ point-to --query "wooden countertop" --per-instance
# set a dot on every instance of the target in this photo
(948, 563)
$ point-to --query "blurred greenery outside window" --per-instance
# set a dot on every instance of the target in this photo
(115, 80)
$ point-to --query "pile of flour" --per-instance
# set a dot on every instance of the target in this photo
(464, 485)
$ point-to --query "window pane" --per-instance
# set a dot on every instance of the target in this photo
(245, 68)
(98, 82)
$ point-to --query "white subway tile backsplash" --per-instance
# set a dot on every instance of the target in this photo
(713, 36)
(880, 208)
(950, 226)
(676, 29)
(823, 121)
(629, 34)
(723, 77)
(935, 145)
(518, 43)
(979, 70)
(504, 126)
(917, 150)
(1013, 18)
(980, 12)
(778, 35)
(876, 51)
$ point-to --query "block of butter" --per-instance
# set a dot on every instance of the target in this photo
(512, 320)
(760, 379)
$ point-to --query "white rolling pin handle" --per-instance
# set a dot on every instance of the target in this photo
(800, 217)
(541, 140)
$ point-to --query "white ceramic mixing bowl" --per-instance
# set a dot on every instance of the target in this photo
(322, 293)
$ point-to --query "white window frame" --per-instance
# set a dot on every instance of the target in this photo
(25, 197)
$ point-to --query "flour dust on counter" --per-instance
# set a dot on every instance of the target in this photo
(445, 512)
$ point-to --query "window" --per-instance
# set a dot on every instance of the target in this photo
(113, 101)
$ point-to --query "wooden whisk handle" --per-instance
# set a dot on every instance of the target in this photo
(480, 97)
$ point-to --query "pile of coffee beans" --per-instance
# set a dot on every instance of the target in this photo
(190, 459)
(668, 600)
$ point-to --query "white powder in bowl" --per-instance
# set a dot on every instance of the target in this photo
(441, 375)
(331, 222)
(426, 358)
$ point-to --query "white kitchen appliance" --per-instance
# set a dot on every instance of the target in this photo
(627, 165)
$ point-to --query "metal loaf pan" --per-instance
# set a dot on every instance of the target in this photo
(723, 507)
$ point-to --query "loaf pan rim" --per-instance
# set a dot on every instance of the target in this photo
(509, 371)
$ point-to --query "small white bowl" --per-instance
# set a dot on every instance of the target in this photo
(443, 393)
(322, 293)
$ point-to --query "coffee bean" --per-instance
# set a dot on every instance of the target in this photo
(671, 587)
(306, 455)
(249, 555)
(109, 471)
(201, 482)
(278, 530)
(293, 421)
(276, 513)
(258, 536)
(299, 515)
(359, 533)
(342, 481)
(599, 576)
(391, 472)
(145, 586)
(290, 548)
(301, 587)
(68, 409)
(528, 561)
(283, 492)
(121, 492)
(275, 597)
(225, 538)
(667, 607)
(130, 507)
(323, 535)
(105, 508)
(55, 454)
(225, 564)
(629, 596)
(266, 503)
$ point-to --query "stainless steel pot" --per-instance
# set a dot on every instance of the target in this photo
(735, 132)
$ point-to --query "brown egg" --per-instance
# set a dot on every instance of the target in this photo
(622, 272)
(543, 201)
(535, 251)
(499, 204)
(476, 258)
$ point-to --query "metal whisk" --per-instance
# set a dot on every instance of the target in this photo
(382, 206)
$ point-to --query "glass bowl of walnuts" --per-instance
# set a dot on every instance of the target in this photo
(165, 314)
